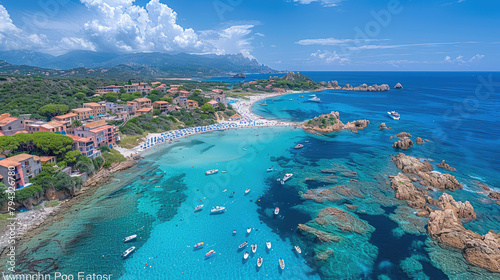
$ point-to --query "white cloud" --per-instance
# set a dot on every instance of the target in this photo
(376, 47)
(234, 39)
(334, 41)
(12, 37)
(324, 3)
(329, 57)
(460, 59)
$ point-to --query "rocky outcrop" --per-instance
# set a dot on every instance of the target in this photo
(403, 144)
(333, 85)
(483, 251)
(429, 178)
(348, 87)
(409, 164)
(240, 76)
(383, 126)
(342, 220)
(494, 195)
(398, 86)
(446, 166)
(365, 87)
(321, 235)
(320, 195)
(405, 190)
(441, 181)
(346, 192)
(403, 135)
(463, 210)
(328, 123)
(420, 141)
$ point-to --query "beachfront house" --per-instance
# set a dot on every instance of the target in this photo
(100, 132)
(85, 145)
(41, 126)
(83, 113)
(98, 110)
(161, 105)
(25, 166)
(192, 104)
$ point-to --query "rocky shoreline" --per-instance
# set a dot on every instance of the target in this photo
(31, 223)
(328, 123)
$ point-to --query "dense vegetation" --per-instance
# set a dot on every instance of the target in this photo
(38, 143)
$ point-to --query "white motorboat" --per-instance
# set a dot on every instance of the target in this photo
(282, 263)
(213, 171)
(249, 230)
(254, 248)
(297, 248)
(314, 99)
(130, 238)
(270, 169)
(246, 255)
(198, 208)
(243, 245)
(276, 211)
(268, 245)
(286, 178)
(312, 95)
(247, 191)
(259, 261)
(218, 209)
(128, 252)
(394, 115)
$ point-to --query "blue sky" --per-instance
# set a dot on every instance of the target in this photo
(284, 34)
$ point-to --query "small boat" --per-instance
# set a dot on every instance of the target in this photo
(270, 169)
(259, 261)
(232, 194)
(224, 171)
(210, 172)
(249, 230)
(286, 178)
(268, 245)
(276, 211)
(290, 99)
(130, 238)
(218, 209)
(282, 263)
(209, 254)
(234, 231)
(243, 245)
(244, 149)
(247, 191)
(254, 248)
(299, 146)
(199, 245)
(128, 252)
(198, 208)
(314, 99)
(246, 255)
(263, 104)
(312, 95)
(394, 115)
(297, 248)
(225, 190)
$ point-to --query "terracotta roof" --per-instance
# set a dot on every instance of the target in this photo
(145, 110)
(68, 115)
(212, 102)
(80, 139)
(142, 99)
(7, 120)
(45, 159)
(96, 124)
(92, 104)
(106, 127)
(8, 163)
(160, 102)
(235, 116)
(55, 123)
(21, 157)
(82, 110)
(22, 131)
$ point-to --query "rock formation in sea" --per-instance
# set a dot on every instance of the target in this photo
(405, 190)
(342, 220)
(403, 135)
(446, 166)
(240, 76)
(347, 87)
(463, 210)
(483, 251)
(365, 87)
(333, 85)
(403, 144)
(321, 235)
(398, 86)
(494, 195)
(420, 141)
(331, 122)
(383, 126)
(427, 177)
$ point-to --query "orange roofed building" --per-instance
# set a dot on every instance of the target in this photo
(10, 125)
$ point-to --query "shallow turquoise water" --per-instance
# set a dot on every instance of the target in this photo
(155, 199)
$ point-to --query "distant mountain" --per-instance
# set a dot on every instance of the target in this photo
(150, 64)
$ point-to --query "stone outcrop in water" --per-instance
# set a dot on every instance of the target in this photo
(446, 166)
(463, 210)
(331, 122)
(483, 251)
(333, 85)
(320, 195)
(494, 195)
(422, 168)
(383, 126)
(346, 192)
(342, 220)
(403, 135)
(321, 235)
(420, 141)
(365, 87)
(403, 144)
(398, 86)
(405, 190)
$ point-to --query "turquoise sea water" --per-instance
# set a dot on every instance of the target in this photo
(155, 199)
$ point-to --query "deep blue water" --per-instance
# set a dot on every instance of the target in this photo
(155, 199)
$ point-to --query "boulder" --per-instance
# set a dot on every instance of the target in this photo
(348, 87)
(405, 190)
(383, 126)
(420, 141)
(445, 227)
(446, 166)
(463, 210)
(494, 195)
(441, 181)
(484, 252)
(409, 164)
(398, 86)
(403, 144)
(403, 135)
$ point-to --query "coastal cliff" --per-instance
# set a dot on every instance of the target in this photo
(328, 123)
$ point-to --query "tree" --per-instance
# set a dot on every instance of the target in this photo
(111, 96)
(126, 97)
(72, 156)
(122, 90)
(52, 110)
(76, 123)
(156, 112)
(129, 81)
(136, 95)
(168, 99)
(207, 108)
(80, 95)
(222, 106)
